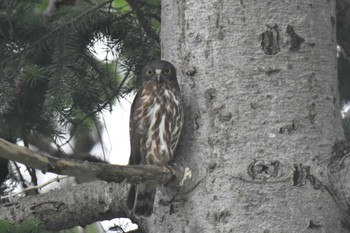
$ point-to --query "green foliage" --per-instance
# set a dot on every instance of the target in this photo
(30, 226)
(49, 79)
(121, 5)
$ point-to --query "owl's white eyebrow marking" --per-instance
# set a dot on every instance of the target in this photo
(158, 71)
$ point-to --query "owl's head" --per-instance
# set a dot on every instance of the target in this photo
(159, 71)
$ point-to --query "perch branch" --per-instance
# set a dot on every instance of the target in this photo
(84, 171)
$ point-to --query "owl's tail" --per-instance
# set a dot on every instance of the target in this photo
(141, 198)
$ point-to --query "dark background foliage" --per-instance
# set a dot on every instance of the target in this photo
(50, 81)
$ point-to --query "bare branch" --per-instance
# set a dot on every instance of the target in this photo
(84, 171)
(83, 204)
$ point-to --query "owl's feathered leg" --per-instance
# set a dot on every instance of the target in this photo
(141, 199)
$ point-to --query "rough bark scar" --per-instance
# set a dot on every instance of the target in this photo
(295, 39)
(340, 150)
(338, 173)
(312, 113)
(210, 94)
(302, 174)
(191, 71)
(262, 170)
(313, 225)
(288, 128)
(270, 40)
(48, 208)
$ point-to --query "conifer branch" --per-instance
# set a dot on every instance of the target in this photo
(141, 18)
(99, 108)
(59, 29)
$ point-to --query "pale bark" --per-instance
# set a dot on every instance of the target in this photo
(262, 116)
(65, 208)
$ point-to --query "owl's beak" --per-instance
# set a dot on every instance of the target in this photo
(158, 73)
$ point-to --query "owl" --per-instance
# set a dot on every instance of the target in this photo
(156, 120)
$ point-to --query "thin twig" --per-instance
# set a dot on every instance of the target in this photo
(100, 138)
(37, 187)
(20, 175)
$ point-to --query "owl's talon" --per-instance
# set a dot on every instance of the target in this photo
(172, 170)
(164, 169)
(167, 167)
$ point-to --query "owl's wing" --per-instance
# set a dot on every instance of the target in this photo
(135, 135)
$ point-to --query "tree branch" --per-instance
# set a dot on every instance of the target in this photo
(84, 171)
(82, 205)
(141, 18)
(100, 108)
(86, 203)
(57, 30)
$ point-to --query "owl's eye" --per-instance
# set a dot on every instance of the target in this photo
(167, 71)
(149, 72)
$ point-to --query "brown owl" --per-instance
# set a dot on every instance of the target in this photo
(156, 121)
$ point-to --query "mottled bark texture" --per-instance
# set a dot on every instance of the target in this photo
(65, 208)
(262, 116)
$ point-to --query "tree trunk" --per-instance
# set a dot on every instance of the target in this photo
(262, 116)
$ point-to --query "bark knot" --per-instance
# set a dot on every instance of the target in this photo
(295, 39)
(270, 40)
(263, 170)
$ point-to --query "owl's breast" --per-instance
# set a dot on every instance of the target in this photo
(159, 123)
